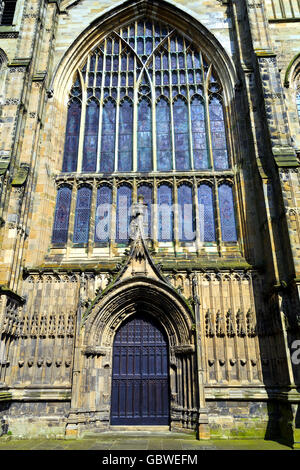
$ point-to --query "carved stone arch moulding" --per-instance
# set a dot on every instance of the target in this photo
(124, 13)
(152, 297)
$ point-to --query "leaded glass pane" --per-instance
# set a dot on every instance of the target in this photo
(82, 215)
(181, 135)
(123, 214)
(298, 104)
(125, 136)
(227, 216)
(107, 158)
(89, 162)
(144, 136)
(185, 213)
(206, 214)
(165, 213)
(146, 192)
(103, 214)
(61, 218)
(163, 136)
(199, 134)
(72, 137)
(218, 136)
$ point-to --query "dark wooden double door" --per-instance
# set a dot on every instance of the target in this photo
(140, 378)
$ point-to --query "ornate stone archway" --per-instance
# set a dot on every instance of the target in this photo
(138, 286)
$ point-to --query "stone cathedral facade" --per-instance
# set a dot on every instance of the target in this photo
(149, 209)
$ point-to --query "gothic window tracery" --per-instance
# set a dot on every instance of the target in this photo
(147, 105)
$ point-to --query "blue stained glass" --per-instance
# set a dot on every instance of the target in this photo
(199, 134)
(228, 226)
(157, 62)
(173, 61)
(82, 215)
(107, 157)
(91, 79)
(186, 224)
(116, 63)
(123, 214)
(149, 46)
(100, 63)
(116, 46)
(103, 214)
(72, 137)
(125, 137)
(107, 79)
(90, 137)
(165, 61)
(189, 60)
(108, 63)
(163, 136)
(144, 136)
(109, 46)
(165, 213)
(218, 136)
(146, 192)
(62, 213)
(181, 135)
(206, 214)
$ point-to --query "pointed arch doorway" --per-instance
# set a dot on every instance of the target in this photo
(140, 376)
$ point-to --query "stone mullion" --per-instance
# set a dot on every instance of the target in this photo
(93, 209)
(71, 218)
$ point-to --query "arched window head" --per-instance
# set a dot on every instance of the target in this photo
(151, 101)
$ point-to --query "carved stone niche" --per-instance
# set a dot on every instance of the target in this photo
(183, 349)
(95, 351)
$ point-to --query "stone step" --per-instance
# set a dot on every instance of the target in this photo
(140, 429)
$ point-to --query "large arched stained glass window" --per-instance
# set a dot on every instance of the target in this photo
(82, 215)
(62, 213)
(147, 117)
(160, 101)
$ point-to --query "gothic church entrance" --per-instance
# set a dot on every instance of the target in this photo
(140, 380)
